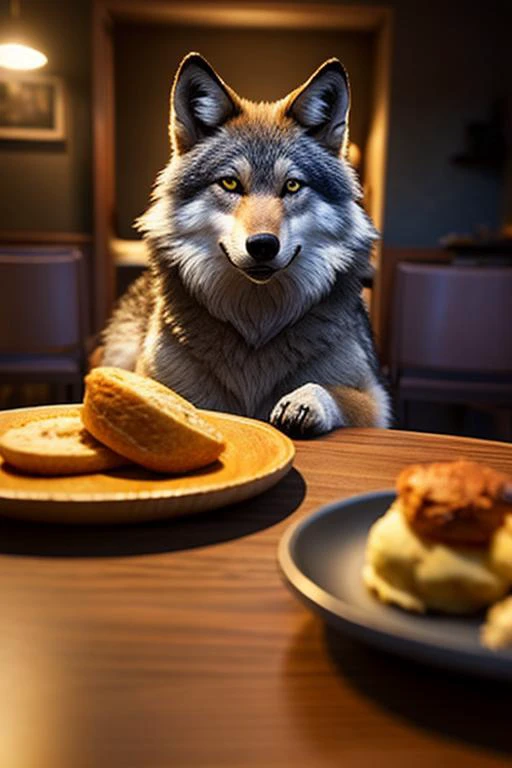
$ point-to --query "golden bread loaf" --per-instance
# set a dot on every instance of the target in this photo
(147, 422)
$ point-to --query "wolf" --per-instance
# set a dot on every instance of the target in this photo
(252, 300)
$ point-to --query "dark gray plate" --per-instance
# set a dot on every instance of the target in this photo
(321, 559)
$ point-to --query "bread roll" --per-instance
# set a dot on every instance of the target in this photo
(57, 445)
(147, 422)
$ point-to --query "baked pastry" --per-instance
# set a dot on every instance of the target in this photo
(496, 633)
(57, 445)
(444, 544)
(147, 422)
(459, 501)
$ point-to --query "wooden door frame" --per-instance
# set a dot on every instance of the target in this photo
(227, 14)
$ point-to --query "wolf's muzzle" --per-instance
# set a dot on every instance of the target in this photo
(260, 272)
(262, 247)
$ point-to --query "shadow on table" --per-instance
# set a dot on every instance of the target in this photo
(334, 683)
(467, 708)
(179, 533)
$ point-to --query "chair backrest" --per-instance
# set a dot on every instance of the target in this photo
(41, 301)
(37, 250)
(452, 318)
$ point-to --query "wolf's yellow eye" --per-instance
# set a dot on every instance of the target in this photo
(292, 186)
(230, 184)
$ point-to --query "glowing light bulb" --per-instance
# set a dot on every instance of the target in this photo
(21, 57)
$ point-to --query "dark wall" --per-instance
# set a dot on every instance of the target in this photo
(47, 186)
(261, 65)
(448, 68)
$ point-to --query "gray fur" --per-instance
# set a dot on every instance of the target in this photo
(197, 323)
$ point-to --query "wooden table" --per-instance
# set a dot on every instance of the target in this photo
(177, 645)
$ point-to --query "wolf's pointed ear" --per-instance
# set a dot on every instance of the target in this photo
(200, 103)
(322, 104)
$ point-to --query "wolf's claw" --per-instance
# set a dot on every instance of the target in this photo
(301, 416)
(283, 405)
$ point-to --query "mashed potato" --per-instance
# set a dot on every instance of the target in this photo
(419, 574)
(496, 633)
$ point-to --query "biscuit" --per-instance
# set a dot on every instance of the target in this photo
(147, 422)
(56, 446)
(459, 502)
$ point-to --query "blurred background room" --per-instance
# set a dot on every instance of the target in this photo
(83, 136)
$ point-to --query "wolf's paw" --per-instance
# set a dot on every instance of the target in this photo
(307, 411)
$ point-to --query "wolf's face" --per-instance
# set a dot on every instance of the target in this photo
(257, 209)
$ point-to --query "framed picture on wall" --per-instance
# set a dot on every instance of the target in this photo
(32, 107)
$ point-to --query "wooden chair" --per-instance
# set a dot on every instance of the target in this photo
(452, 336)
(43, 319)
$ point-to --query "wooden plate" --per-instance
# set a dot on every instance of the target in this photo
(256, 457)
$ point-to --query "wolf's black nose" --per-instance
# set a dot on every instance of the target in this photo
(262, 247)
